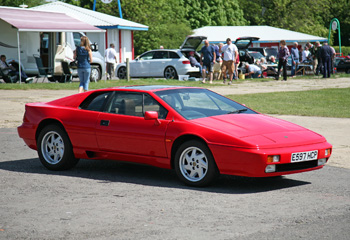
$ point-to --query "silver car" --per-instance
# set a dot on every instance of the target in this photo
(167, 63)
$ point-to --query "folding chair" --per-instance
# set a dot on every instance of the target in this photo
(67, 73)
(44, 72)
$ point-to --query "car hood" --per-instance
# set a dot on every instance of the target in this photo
(262, 131)
(192, 42)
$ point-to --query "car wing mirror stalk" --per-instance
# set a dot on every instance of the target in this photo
(152, 115)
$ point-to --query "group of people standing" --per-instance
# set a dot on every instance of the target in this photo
(222, 58)
(225, 57)
(321, 58)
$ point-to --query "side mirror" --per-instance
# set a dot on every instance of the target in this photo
(152, 115)
(94, 47)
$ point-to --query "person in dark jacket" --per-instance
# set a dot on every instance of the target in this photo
(83, 54)
(283, 54)
(326, 55)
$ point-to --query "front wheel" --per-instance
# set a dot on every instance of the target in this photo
(194, 164)
(121, 74)
(170, 73)
(95, 74)
(55, 149)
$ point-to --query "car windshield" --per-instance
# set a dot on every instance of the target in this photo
(256, 55)
(193, 103)
(271, 51)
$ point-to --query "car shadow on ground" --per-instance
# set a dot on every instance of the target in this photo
(105, 171)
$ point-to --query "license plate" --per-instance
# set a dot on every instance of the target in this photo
(304, 156)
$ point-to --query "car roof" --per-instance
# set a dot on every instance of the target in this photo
(151, 88)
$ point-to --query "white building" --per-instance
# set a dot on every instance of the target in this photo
(119, 31)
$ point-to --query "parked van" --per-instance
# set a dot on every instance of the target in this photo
(64, 44)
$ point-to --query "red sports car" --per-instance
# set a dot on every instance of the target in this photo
(195, 131)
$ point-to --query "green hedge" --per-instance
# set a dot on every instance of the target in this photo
(344, 50)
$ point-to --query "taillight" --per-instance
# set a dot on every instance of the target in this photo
(186, 62)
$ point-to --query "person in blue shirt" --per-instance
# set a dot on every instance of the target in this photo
(83, 54)
(209, 56)
(294, 53)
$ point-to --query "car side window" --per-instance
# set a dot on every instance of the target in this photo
(173, 55)
(126, 104)
(160, 55)
(147, 56)
(96, 101)
(135, 104)
(150, 104)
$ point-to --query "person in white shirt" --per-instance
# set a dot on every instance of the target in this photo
(111, 59)
(305, 56)
(252, 71)
(230, 52)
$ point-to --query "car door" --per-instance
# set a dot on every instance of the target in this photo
(81, 123)
(140, 67)
(123, 129)
(160, 61)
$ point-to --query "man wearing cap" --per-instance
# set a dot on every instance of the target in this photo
(230, 52)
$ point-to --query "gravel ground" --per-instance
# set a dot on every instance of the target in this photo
(114, 200)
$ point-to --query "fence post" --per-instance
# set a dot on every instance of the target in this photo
(127, 69)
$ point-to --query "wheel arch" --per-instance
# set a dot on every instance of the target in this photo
(180, 140)
(47, 122)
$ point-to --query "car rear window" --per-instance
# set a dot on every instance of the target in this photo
(173, 55)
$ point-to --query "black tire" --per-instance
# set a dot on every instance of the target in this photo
(95, 75)
(195, 165)
(55, 149)
(121, 74)
(170, 73)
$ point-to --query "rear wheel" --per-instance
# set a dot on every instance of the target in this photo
(170, 73)
(194, 164)
(55, 149)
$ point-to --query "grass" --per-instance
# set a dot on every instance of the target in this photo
(105, 84)
(324, 103)
(334, 102)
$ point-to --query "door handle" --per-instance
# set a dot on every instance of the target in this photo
(104, 123)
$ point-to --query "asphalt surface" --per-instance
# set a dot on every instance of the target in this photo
(114, 200)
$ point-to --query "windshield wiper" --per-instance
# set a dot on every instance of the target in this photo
(238, 111)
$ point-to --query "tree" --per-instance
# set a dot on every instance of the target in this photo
(297, 15)
(339, 9)
(166, 20)
(214, 13)
(17, 3)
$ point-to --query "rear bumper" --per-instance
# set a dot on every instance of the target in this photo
(27, 132)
